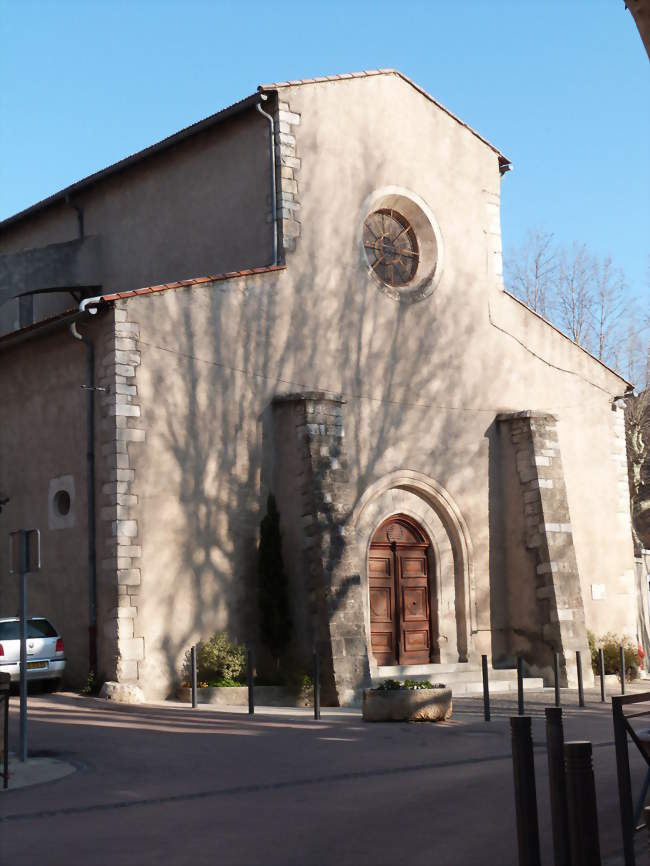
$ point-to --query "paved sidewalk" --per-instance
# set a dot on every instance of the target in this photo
(165, 783)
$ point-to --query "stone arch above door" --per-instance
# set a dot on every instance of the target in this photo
(422, 499)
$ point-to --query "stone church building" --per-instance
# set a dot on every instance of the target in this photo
(302, 295)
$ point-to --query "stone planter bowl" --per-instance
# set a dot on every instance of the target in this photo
(406, 705)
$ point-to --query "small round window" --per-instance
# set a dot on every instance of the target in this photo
(391, 247)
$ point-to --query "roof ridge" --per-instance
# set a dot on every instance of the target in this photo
(369, 73)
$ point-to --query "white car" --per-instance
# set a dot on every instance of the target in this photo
(45, 652)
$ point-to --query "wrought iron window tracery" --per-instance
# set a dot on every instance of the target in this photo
(391, 247)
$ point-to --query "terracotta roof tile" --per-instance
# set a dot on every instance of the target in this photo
(181, 284)
(369, 73)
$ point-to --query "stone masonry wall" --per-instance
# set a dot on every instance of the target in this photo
(120, 431)
(626, 580)
(287, 168)
(548, 533)
(330, 567)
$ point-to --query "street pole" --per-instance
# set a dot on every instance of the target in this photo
(22, 553)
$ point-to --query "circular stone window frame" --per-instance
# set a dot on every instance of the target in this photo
(429, 239)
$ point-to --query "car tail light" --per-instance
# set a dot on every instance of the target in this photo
(2, 651)
(59, 645)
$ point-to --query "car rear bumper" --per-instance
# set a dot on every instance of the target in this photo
(53, 671)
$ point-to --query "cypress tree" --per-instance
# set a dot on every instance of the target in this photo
(273, 587)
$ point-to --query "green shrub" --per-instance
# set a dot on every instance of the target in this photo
(610, 645)
(393, 685)
(217, 659)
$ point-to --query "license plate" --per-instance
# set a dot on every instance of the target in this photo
(36, 666)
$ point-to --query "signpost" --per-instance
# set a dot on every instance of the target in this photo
(24, 558)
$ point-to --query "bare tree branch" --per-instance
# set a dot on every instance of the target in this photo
(531, 271)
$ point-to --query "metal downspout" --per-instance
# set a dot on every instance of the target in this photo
(90, 485)
(274, 208)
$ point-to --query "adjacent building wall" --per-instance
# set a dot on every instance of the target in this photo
(198, 208)
(43, 451)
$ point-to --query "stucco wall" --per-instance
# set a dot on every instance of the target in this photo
(199, 208)
(43, 449)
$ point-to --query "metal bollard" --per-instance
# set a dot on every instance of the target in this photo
(581, 691)
(193, 665)
(557, 785)
(486, 688)
(316, 687)
(251, 695)
(556, 674)
(622, 668)
(584, 844)
(520, 685)
(601, 660)
(523, 765)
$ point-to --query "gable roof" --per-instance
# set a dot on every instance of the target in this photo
(213, 120)
(114, 168)
(370, 73)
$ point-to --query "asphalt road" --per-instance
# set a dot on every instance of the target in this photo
(166, 784)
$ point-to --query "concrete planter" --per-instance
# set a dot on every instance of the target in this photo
(237, 696)
(406, 705)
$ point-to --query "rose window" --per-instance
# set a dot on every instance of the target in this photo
(391, 247)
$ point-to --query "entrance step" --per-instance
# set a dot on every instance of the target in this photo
(462, 679)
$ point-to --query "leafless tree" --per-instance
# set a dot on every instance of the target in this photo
(574, 295)
(532, 270)
(637, 425)
(611, 308)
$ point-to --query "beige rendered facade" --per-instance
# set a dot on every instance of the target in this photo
(354, 394)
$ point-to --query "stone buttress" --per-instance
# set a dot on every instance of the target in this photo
(549, 536)
(310, 436)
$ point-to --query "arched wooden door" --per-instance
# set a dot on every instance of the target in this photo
(400, 606)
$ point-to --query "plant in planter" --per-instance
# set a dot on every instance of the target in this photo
(610, 645)
(407, 701)
(218, 663)
(392, 685)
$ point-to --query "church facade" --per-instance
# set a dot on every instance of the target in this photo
(302, 295)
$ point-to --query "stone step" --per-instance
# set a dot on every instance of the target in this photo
(531, 684)
(401, 672)
(438, 673)
(462, 679)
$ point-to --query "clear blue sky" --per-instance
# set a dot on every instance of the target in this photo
(563, 88)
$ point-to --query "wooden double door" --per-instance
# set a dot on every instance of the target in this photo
(400, 604)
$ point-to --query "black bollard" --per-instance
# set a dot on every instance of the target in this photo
(557, 785)
(316, 687)
(251, 695)
(622, 668)
(581, 691)
(601, 660)
(520, 685)
(486, 688)
(523, 765)
(584, 844)
(556, 674)
(193, 666)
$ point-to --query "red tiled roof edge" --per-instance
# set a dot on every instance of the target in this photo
(182, 284)
(368, 73)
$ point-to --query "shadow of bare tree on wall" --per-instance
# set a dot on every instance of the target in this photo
(213, 358)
